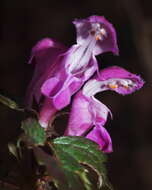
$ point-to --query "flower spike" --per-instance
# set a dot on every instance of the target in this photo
(60, 72)
(88, 115)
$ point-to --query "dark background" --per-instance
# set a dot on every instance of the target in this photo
(23, 23)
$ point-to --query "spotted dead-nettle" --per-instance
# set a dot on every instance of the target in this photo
(88, 115)
(60, 71)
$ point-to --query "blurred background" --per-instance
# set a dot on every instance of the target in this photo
(23, 23)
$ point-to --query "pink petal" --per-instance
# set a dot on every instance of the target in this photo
(47, 113)
(101, 136)
(43, 55)
(85, 113)
(96, 25)
(80, 117)
(127, 82)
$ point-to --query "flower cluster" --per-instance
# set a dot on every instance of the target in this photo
(61, 72)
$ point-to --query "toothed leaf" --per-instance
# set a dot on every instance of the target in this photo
(76, 155)
(34, 133)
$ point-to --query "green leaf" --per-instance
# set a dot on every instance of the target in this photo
(10, 103)
(74, 172)
(34, 133)
(77, 152)
(59, 172)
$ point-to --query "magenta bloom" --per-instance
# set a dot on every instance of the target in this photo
(61, 72)
(88, 115)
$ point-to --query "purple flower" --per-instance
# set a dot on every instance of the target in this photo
(87, 118)
(88, 115)
(61, 72)
(45, 56)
